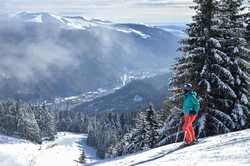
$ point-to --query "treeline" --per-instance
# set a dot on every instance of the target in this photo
(104, 129)
(115, 134)
(109, 131)
(108, 128)
(144, 135)
(72, 121)
(37, 123)
(26, 121)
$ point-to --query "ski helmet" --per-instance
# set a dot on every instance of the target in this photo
(188, 86)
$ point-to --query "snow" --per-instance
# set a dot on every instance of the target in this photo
(246, 50)
(208, 85)
(130, 30)
(215, 42)
(37, 19)
(145, 36)
(57, 17)
(218, 57)
(64, 151)
(78, 23)
(138, 98)
(244, 99)
(225, 150)
(74, 23)
(174, 31)
(236, 50)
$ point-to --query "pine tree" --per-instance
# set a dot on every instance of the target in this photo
(27, 125)
(213, 61)
(234, 44)
(247, 37)
(144, 136)
(247, 33)
(82, 158)
(203, 65)
(139, 134)
(152, 127)
(134, 140)
(46, 122)
(171, 132)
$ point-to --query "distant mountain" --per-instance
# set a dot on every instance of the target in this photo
(67, 22)
(44, 56)
(132, 97)
(177, 29)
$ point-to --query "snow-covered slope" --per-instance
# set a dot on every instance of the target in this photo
(231, 149)
(82, 23)
(64, 151)
(65, 22)
(70, 22)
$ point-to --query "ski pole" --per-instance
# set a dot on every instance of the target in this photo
(185, 134)
(177, 135)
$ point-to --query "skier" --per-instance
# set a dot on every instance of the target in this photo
(191, 107)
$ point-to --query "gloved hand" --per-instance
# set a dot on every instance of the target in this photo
(193, 112)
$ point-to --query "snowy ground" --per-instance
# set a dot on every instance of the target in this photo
(231, 149)
(64, 151)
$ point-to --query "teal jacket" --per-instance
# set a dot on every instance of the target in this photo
(191, 102)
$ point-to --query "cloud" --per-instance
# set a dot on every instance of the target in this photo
(23, 57)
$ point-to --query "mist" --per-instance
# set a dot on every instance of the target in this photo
(43, 60)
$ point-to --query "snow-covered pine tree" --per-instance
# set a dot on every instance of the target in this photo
(26, 123)
(8, 120)
(144, 136)
(152, 127)
(206, 65)
(46, 122)
(234, 44)
(247, 37)
(247, 33)
(172, 130)
(123, 146)
(139, 134)
(106, 129)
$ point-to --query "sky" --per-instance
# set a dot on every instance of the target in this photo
(133, 11)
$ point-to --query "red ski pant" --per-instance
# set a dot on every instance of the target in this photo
(189, 134)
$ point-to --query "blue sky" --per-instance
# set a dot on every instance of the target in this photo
(139, 11)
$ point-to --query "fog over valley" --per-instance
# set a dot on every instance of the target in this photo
(44, 55)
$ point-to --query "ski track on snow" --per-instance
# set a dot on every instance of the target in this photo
(232, 149)
(65, 150)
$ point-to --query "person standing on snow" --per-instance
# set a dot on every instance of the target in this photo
(191, 107)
